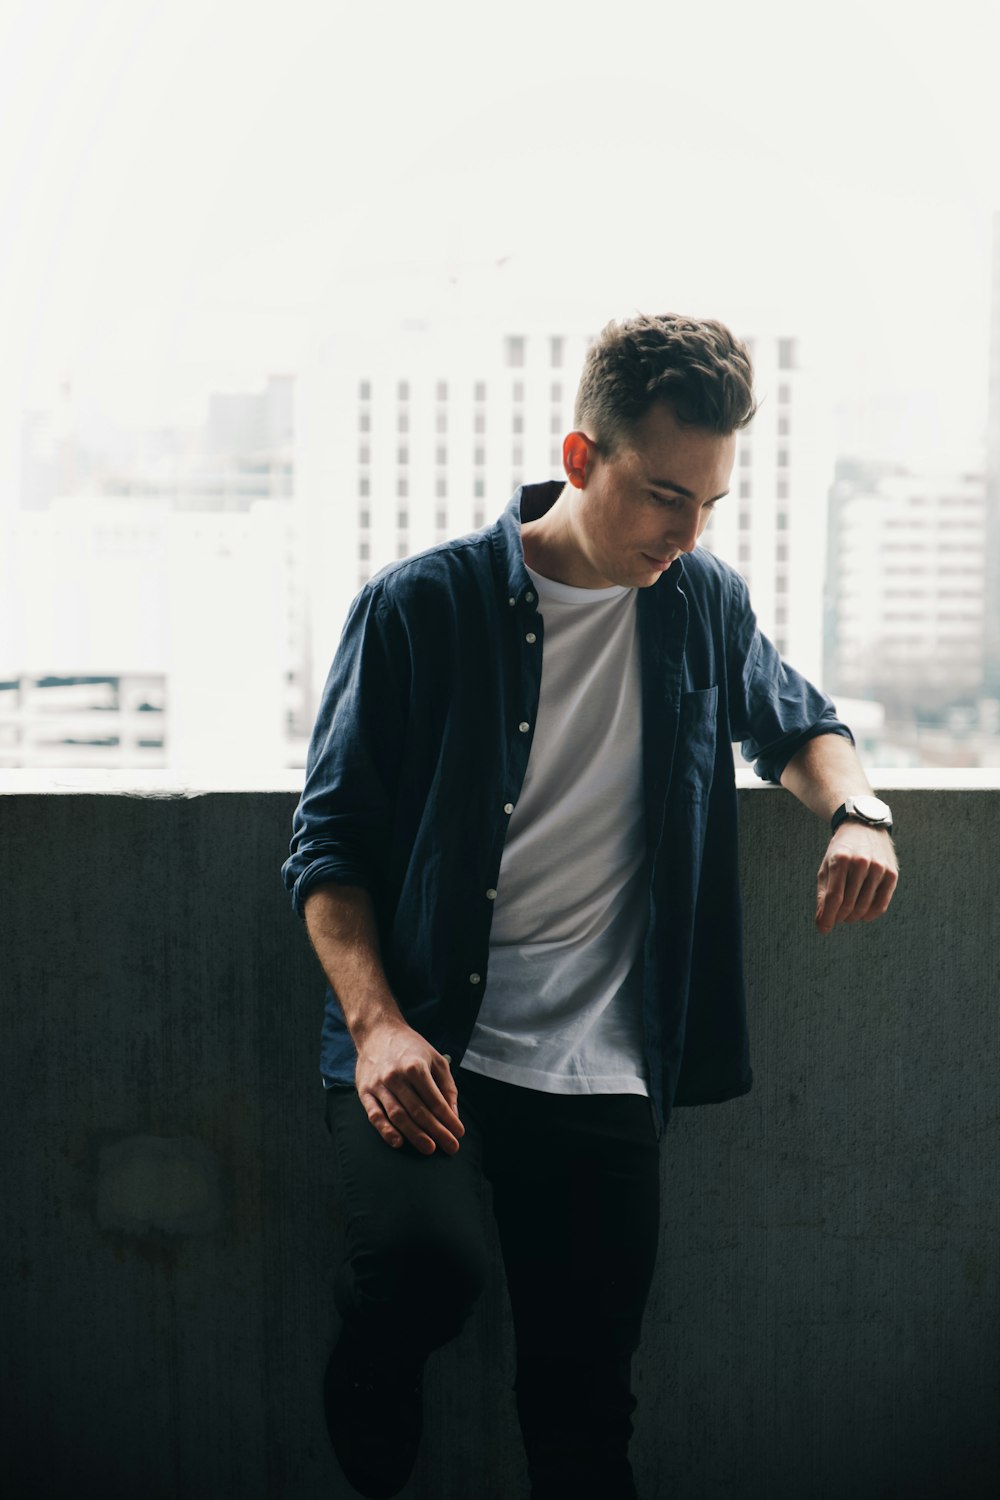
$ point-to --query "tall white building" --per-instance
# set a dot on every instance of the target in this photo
(411, 433)
(907, 587)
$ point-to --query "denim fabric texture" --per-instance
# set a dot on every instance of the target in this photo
(421, 744)
(575, 1191)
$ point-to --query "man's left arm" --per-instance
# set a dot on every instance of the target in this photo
(859, 872)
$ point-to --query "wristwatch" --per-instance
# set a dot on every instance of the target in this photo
(870, 810)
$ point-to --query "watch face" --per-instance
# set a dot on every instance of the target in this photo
(871, 808)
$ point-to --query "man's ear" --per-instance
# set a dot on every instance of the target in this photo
(578, 457)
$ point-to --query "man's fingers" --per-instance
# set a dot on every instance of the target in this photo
(830, 891)
(862, 883)
(852, 890)
(854, 880)
(399, 1113)
(882, 896)
(437, 1119)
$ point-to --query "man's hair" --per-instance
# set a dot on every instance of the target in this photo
(695, 364)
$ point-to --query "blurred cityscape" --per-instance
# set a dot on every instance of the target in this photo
(173, 598)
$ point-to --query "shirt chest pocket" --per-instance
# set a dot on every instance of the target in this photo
(694, 758)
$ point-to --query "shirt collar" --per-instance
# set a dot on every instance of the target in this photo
(528, 502)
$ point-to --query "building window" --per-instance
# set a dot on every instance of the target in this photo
(744, 456)
(364, 551)
(782, 458)
(784, 393)
(555, 456)
(517, 422)
(744, 519)
(402, 486)
(364, 518)
(517, 455)
(479, 487)
(781, 552)
(555, 422)
(403, 517)
(403, 390)
(441, 453)
(364, 453)
(479, 391)
(402, 547)
(517, 390)
(746, 489)
(479, 516)
(364, 390)
(782, 489)
(403, 454)
(781, 520)
(556, 352)
(514, 350)
(479, 454)
(556, 390)
(479, 422)
(743, 551)
(786, 354)
(441, 489)
(440, 518)
(364, 422)
(780, 617)
(780, 583)
(364, 486)
(783, 426)
(402, 421)
(442, 390)
(441, 422)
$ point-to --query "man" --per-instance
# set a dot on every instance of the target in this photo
(516, 857)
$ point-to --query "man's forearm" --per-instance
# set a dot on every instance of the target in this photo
(824, 772)
(340, 921)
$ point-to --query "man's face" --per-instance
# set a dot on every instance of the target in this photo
(640, 509)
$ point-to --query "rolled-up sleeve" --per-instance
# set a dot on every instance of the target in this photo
(774, 710)
(341, 824)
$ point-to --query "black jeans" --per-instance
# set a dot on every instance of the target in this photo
(575, 1180)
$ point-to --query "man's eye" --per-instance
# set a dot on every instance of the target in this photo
(664, 499)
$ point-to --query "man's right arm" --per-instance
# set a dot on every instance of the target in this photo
(404, 1084)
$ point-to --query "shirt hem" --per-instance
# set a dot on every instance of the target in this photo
(555, 1083)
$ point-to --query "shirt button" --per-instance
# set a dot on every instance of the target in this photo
(530, 597)
(524, 726)
(491, 894)
(512, 602)
(531, 638)
(508, 807)
(473, 978)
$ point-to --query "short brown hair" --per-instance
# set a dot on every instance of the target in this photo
(694, 364)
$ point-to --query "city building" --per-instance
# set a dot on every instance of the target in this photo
(905, 590)
(152, 612)
(991, 678)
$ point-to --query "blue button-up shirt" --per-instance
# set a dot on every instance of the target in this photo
(419, 752)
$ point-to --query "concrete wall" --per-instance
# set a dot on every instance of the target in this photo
(825, 1320)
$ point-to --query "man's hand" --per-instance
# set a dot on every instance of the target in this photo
(857, 877)
(407, 1089)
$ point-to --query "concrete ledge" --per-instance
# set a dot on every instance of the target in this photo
(825, 1318)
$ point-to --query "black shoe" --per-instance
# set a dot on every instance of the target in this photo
(374, 1419)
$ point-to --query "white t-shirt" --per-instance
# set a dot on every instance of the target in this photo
(562, 1011)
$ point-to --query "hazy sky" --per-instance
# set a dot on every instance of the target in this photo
(188, 191)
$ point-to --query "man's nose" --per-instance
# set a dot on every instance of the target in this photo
(688, 532)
